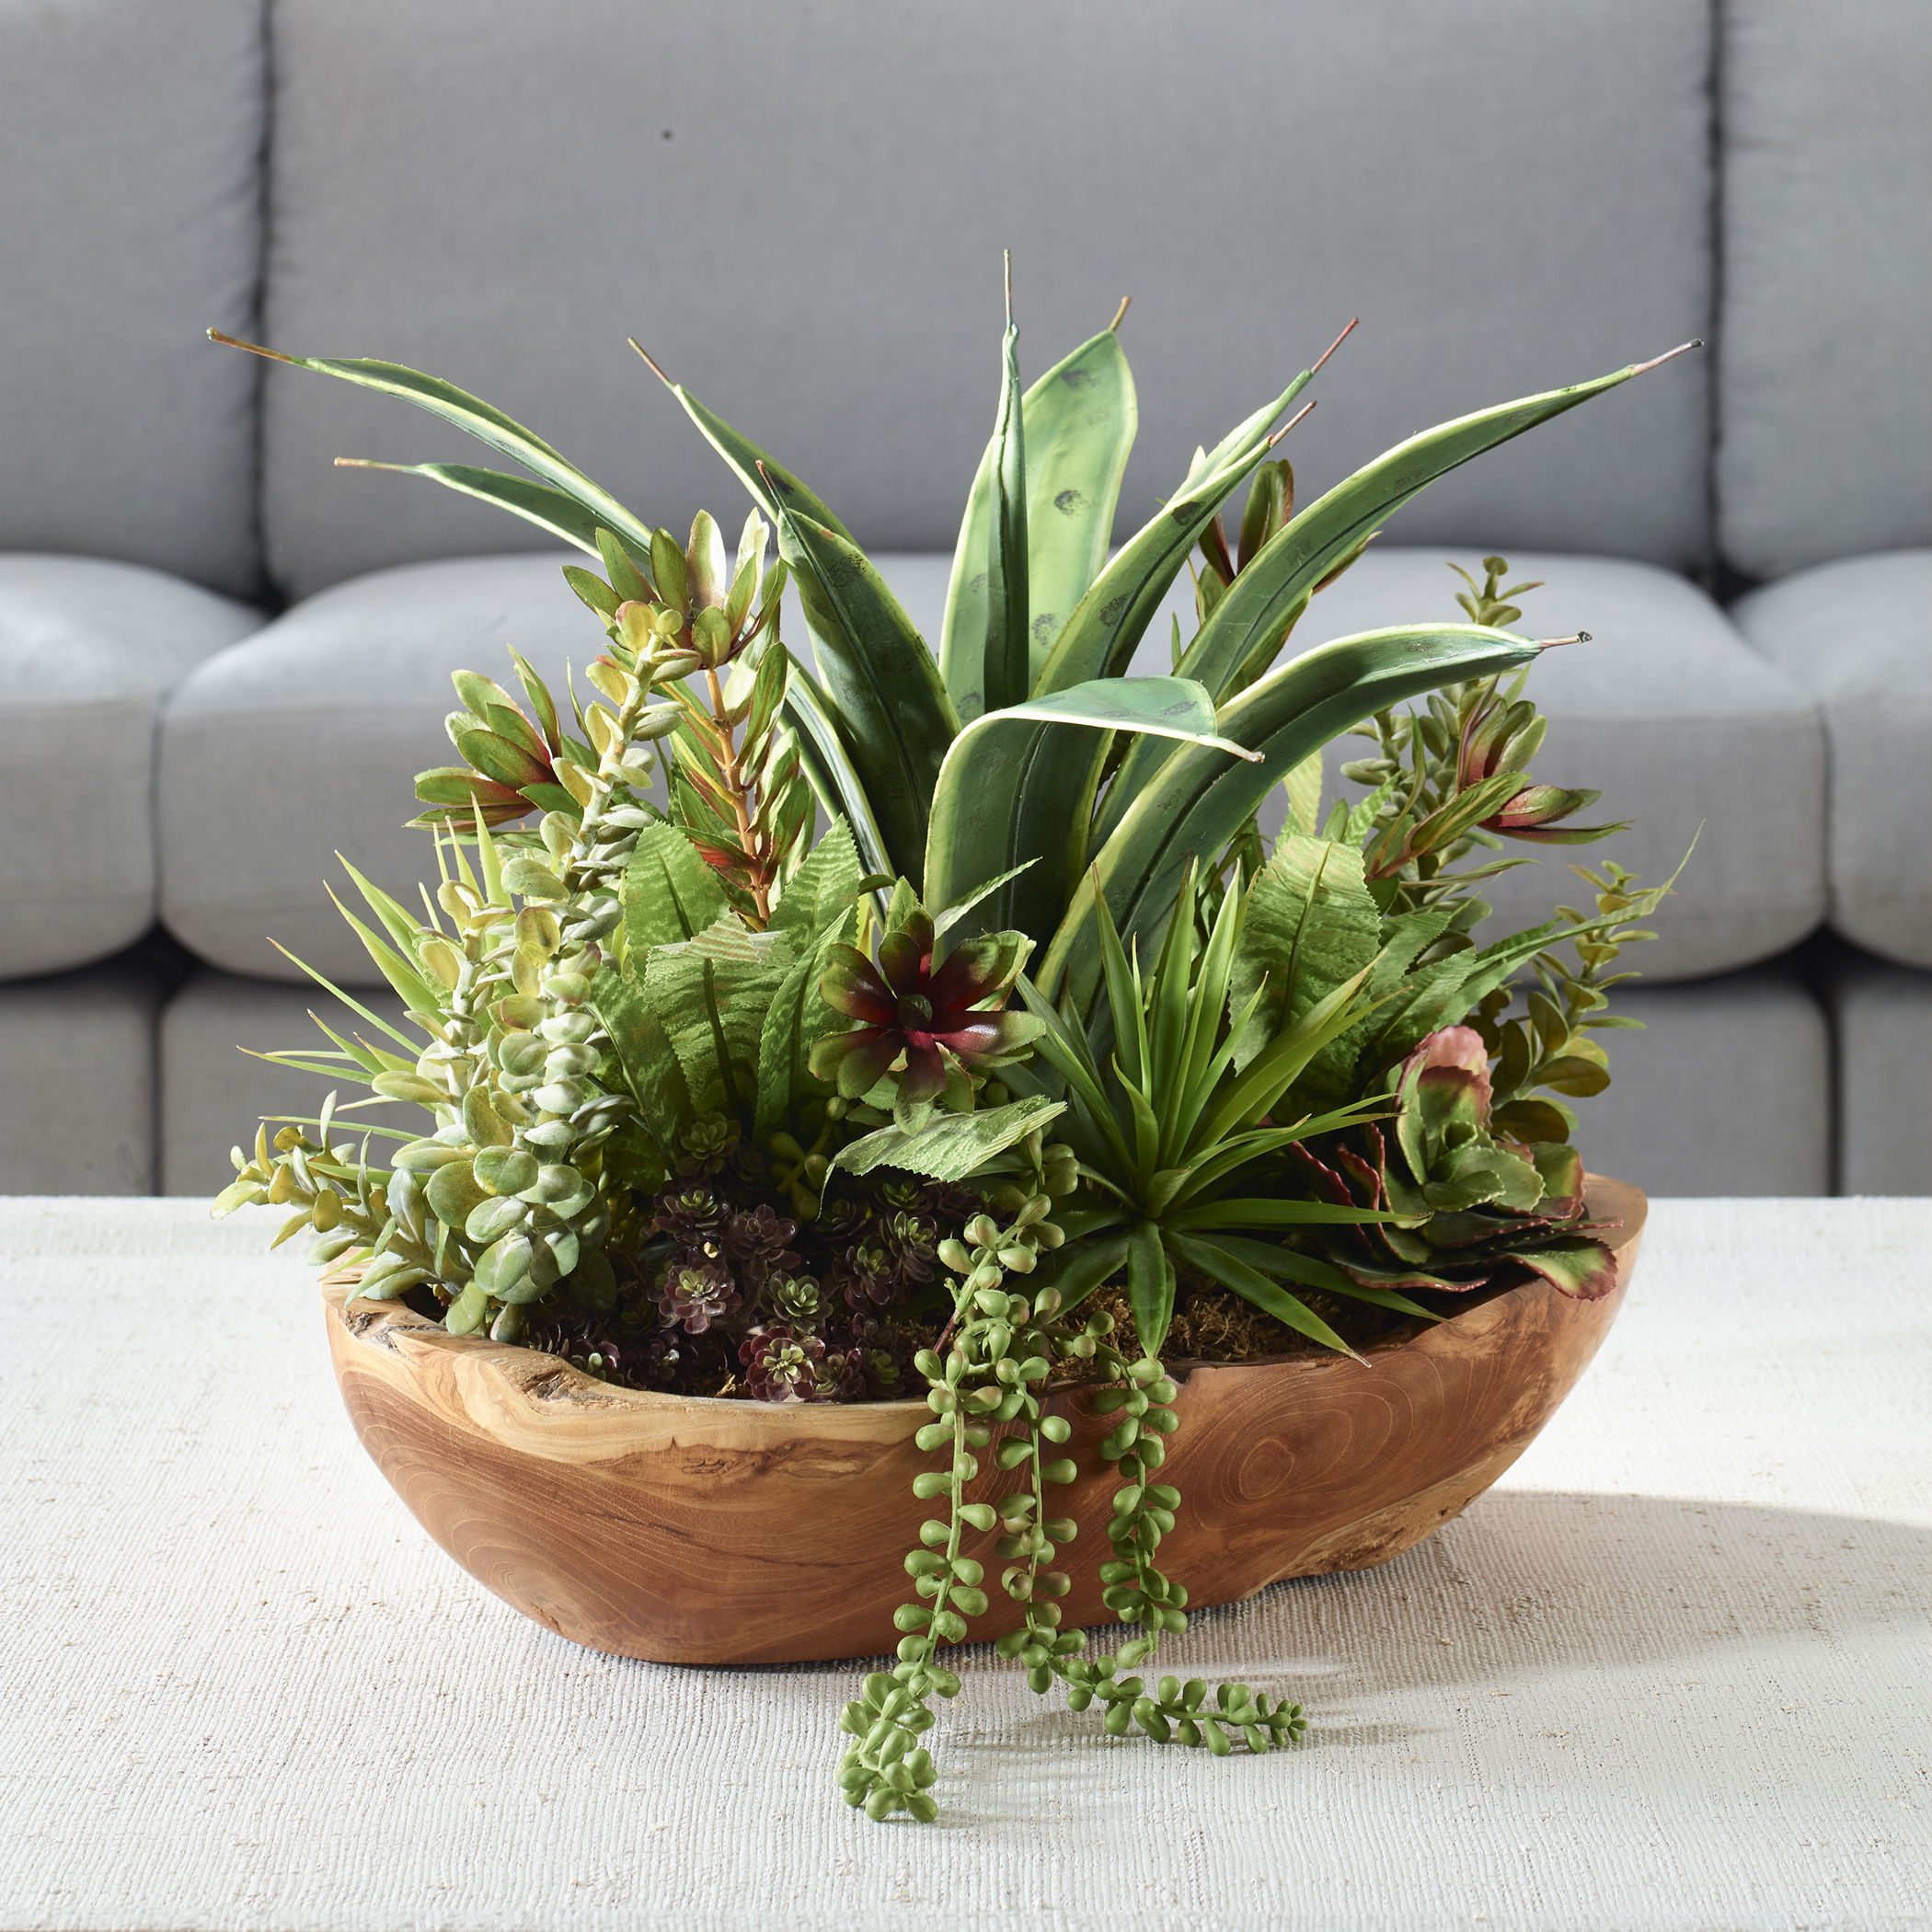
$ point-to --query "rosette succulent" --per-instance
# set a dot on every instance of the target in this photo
(1469, 1208)
(926, 1023)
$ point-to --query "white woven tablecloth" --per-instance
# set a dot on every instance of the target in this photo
(1670, 1674)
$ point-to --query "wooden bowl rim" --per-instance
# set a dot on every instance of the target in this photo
(530, 1372)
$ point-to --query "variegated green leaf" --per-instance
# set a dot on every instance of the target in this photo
(1030, 759)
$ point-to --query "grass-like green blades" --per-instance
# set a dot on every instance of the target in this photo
(1078, 423)
(997, 804)
(479, 418)
(1200, 799)
(1170, 1125)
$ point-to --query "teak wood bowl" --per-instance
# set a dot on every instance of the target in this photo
(689, 1530)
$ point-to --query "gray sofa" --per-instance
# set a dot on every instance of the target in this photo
(221, 659)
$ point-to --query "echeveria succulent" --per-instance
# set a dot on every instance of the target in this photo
(922, 1022)
(1474, 1208)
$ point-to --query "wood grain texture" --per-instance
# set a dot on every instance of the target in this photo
(699, 1531)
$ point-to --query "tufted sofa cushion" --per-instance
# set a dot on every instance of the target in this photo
(1858, 635)
(88, 650)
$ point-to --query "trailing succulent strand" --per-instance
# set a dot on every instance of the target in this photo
(1004, 1350)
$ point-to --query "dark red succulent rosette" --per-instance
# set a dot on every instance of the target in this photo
(920, 1020)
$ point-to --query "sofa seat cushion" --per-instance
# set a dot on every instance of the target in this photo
(1672, 717)
(301, 743)
(1727, 1090)
(77, 1090)
(213, 1089)
(88, 650)
(1882, 1019)
(1858, 635)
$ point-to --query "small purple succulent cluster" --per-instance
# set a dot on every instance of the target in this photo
(730, 1294)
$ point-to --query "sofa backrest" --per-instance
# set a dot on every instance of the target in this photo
(800, 210)
(1825, 390)
(130, 140)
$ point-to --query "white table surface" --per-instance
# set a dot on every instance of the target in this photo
(1669, 1674)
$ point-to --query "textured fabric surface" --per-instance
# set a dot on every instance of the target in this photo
(77, 1081)
(212, 1093)
(1669, 1676)
(1511, 195)
(1882, 1017)
(1726, 1090)
(1858, 635)
(88, 650)
(131, 142)
(1824, 402)
(319, 724)
(1666, 711)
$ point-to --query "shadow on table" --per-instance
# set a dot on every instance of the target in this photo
(1526, 1583)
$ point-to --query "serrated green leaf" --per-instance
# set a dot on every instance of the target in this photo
(669, 892)
(955, 1146)
(823, 887)
(1311, 926)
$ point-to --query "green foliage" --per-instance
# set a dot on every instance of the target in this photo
(714, 1107)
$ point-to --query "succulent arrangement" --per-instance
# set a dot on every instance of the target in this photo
(939, 1019)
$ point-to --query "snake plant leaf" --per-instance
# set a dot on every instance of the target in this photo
(1110, 619)
(563, 516)
(1078, 423)
(985, 655)
(1030, 759)
(773, 487)
(1220, 1265)
(828, 767)
(886, 700)
(476, 418)
(1258, 606)
(669, 892)
(1200, 799)
(954, 1146)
